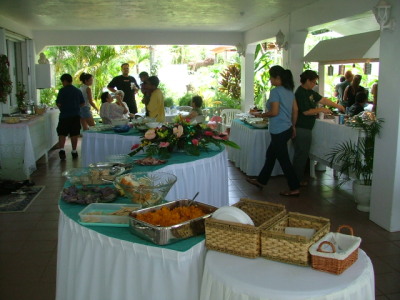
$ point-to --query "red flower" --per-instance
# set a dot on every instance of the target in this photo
(163, 145)
(195, 142)
(135, 146)
(208, 133)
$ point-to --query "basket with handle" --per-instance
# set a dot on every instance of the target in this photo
(291, 248)
(339, 253)
(242, 239)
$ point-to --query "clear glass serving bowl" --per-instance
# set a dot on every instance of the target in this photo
(145, 188)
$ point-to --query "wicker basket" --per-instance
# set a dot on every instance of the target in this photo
(40, 110)
(335, 261)
(288, 248)
(241, 239)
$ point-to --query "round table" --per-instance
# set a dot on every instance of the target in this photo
(236, 278)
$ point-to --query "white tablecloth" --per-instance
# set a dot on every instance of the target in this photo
(250, 158)
(22, 144)
(97, 146)
(237, 278)
(327, 134)
(92, 266)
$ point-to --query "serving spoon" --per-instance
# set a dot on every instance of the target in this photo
(192, 200)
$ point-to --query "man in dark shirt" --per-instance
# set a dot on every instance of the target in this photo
(128, 85)
(69, 101)
(342, 86)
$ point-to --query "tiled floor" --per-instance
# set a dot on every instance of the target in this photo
(28, 241)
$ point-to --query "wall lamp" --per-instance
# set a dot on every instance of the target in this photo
(367, 68)
(330, 70)
(382, 15)
(280, 41)
(240, 50)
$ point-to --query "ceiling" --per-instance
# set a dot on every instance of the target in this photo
(179, 15)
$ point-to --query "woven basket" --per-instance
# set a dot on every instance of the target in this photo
(40, 110)
(333, 261)
(241, 239)
(288, 248)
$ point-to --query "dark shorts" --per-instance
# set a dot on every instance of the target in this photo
(85, 112)
(69, 126)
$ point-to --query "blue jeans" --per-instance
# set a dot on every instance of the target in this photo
(278, 150)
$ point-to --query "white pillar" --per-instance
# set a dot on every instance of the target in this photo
(4, 107)
(293, 58)
(385, 195)
(247, 75)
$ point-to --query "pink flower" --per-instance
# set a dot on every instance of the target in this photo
(150, 134)
(223, 137)
(163, 145)
(135, 146)
(178, 131)
(208, 133)
(195, 142)
(217, 137)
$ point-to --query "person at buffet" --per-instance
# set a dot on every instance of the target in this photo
(341, 87)
(349, 97)
(128, 84)
(374, 92)
(119, 95)
(196, 103)
(282, 113)
(144, 76)
(156, 102)
(69, 101)
(336, 92)
(110, 110)
(307, 102)
(361, 101)
(86, 115)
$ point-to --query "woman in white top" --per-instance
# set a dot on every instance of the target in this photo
(85, 113)
(110, 110)
(119, 95)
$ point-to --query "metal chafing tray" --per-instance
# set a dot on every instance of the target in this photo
(171, 234)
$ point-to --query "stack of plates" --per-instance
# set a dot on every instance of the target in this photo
(232, 214)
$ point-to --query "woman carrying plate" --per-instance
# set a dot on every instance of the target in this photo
(282, 114)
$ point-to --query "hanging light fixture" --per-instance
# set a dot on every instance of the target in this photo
(382, 15)
(341, 69)
(280, 41)
(367, 68)
(330, 70)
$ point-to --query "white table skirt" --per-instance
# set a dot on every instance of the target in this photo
(250, 158)
(327, 134)
(209, 176)
(92, 266)
(97, 146)
(22, 144)
(236, 278)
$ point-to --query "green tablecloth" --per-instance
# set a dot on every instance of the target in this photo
(247, 125)
(132, 131)
(123, 233)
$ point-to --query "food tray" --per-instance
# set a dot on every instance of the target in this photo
(289, 248)
(89, 216)
(11, 120)
(241, 239)
(171, 234)
(95, 175)
(341, 254)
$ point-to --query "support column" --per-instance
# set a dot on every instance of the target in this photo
(4, 107)
(385, 195)
(247, 75)
(293, 57)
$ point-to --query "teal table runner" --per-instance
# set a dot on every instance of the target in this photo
(123, 233)
(132, 131)
(247, 125)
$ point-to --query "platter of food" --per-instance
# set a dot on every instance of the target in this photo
(94, 175)
(150, 161)
(170, 222)
(88, 195)
(107, 214)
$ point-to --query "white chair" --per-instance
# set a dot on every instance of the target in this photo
(227, 116)
(198, 120)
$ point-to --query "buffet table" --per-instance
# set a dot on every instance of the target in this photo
(96, 146)
(22, 144)
(253, 142)
(327, 134)
(103, 263)
(237, 278)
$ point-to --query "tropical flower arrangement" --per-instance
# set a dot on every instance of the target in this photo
(5, 81)
(181, 135)
(20, 94)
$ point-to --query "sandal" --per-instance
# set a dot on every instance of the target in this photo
(290, 194)
(255, 182)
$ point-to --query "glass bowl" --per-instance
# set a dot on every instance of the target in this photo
(145, 188)
(119, 158)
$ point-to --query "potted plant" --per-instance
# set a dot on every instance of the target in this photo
(356, 159)
(20, 94)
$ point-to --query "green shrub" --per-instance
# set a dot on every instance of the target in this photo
(185, 100)
(168, 102)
